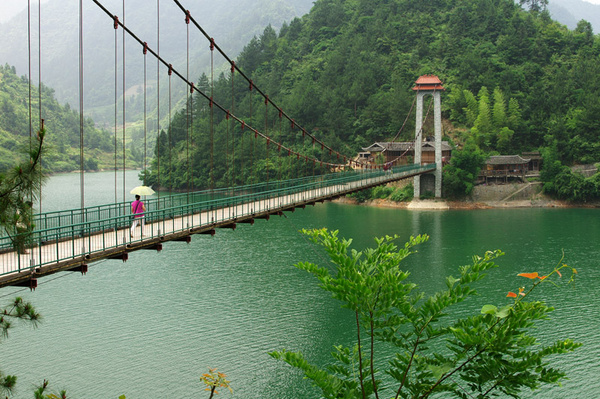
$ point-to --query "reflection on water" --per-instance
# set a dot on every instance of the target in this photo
(147, 328)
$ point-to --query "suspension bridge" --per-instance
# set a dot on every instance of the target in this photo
(69, 240)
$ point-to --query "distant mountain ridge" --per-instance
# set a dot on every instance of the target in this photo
(570, 12)
(231, 22)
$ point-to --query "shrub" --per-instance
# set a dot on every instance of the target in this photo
(403, 194)
(491, 353)
(381, 192)
(362, 195)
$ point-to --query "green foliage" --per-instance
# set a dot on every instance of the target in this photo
(499, 118)
(490, 353)
(535, 5)
(362, 195)
(40, 393)
(551, 167)
(460, 174)
(572, 186)
(560, 181)
(403, 194)
(381, 192)
(215, 379)
(62, 122)
(491, 120)
(400, 194)
(19, 186)
(427, 195)
(343, 71)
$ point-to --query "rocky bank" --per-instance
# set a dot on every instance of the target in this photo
(516, 195)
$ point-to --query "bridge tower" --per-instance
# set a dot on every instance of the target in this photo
(424, 86)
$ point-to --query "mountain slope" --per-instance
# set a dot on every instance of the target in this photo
(231, 22)
(515, 80)
(61, 122)
(570, 12)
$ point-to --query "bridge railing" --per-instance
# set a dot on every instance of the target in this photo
(49, 220)
(72, 234)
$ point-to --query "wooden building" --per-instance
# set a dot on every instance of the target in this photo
(535, 161)
(403, 153)
(504, 168)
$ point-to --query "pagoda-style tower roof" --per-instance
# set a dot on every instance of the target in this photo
(428, 83)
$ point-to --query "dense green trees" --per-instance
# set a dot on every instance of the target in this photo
(564, 183)
(515, 80)
(460, 175)
(493, 121)
(61, 122)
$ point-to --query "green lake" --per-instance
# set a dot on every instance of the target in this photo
(149, 327)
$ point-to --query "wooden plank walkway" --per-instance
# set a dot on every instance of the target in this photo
(76, 253)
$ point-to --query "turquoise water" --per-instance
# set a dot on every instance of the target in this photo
(149, 327)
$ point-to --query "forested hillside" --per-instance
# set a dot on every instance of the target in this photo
(516, 81)
(62, 128)
(231, 22)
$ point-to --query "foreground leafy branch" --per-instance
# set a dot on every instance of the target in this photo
(215, 379)
(483, 355)
(19, 186)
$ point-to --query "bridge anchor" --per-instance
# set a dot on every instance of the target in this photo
(158, 247)
(81, 268)
(231, 226)
(124, 257)
(31, 284)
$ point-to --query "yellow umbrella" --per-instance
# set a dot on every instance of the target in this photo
(142, 190)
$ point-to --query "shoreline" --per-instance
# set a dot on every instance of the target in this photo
(485, 196)
(473, 205)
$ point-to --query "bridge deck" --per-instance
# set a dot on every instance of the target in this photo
(73, 246)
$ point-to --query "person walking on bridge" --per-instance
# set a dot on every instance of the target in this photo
(137, 208)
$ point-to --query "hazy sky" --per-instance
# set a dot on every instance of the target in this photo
(9, 8)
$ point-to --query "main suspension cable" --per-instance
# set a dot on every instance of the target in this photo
(209, 98)
(418, 134)
(232, 63)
